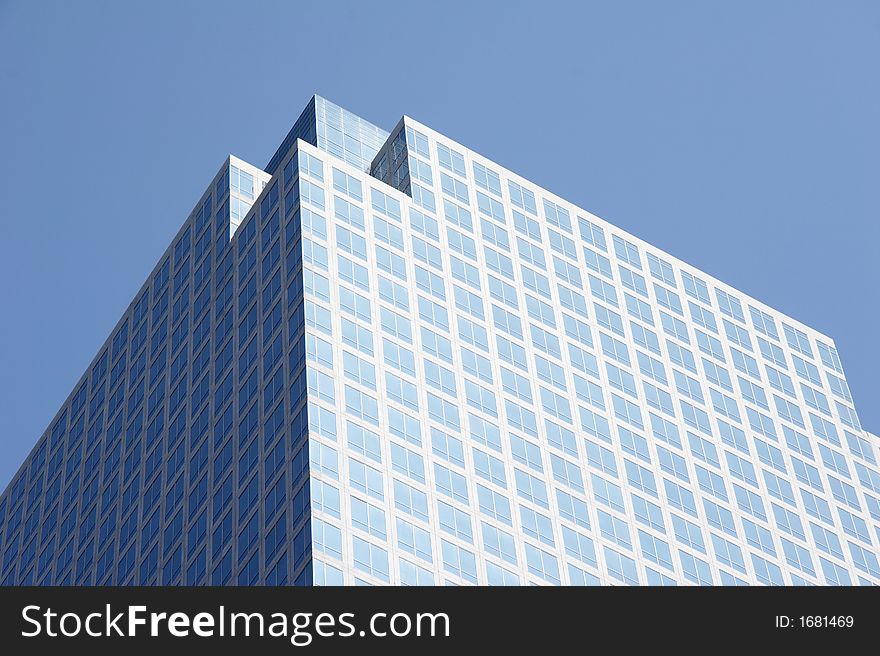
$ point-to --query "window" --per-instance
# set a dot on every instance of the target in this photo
(633, 281)
(615, 349)
(638, 309)
(500, 544)
(806, 370)
(710, 345)
(353, 273)
(507, 322)
(326, 538)
(557, 216)
(458, 215)
(749, 502)
(424, 224)
(689, 387)
(573, 509)
(451, 160)
(738, 335)
(531, 488)
(361, 405)
(647, 513)
(436, 344)
(406, 462)
(640, 477)
(621, 568)
(577, 330)
(672, 463)
(733, 436)
(459, 561)
(592, 233)
(834, 574)
(399, 357)
(490, 207)
(393, 293)
(711, 482)
(447, 447)
(695, 288)
(627, 411)
(469, 302)
(537, 525)
(598, 263)
(719, 517)
(414, 540)
(487, 179)
(391, 262)
(368, 518)
(655, 549)
(661, 270)
(473, 363)
(439, 377)
(675, 327)
(388, 232)
(522, 197)
(454, 521)
(404, 426)
(763, 323)
(531, 253)
(724, 405)
(829, 357)
(645, 338)
(542, 564)
(345, 211)
(702, 317)
(312, 194)
(357, 336)
(358, 370)
(826, 540)
(695, 569)
(363, 441)
(443, 411)
(370, 558)
(347, 184)
(614, 529)
(526, 226)
(410, 500)
(665, 430)
(600, 289)
(596, 425)
(579, 546)
(627, 251)
(609, 319)
(680, 497)
(494, 504)
(607, 493)
(730, 305)
(767, 572)
(393, 324)
(566, 473)
(412, 574)
(385, 204)
(430, 283)
(681, 356)
(788, 410)
(797, 340)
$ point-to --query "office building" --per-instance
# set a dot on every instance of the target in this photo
(385, 359)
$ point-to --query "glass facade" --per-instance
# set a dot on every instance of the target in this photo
(388, 360)
(334, 130)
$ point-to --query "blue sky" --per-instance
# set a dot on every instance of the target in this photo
(741, 137)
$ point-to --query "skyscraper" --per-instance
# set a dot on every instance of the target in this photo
(385, 359)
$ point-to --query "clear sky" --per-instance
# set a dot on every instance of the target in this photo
(741, 137)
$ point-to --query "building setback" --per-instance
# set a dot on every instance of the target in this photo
(385, 359)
